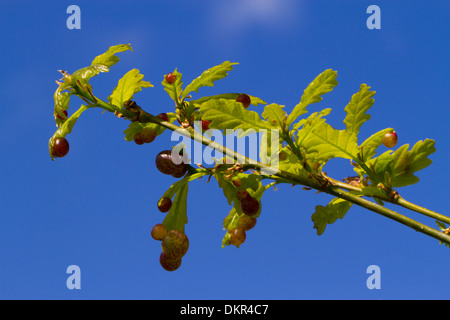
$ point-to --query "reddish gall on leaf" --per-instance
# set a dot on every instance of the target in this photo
(65, 113)
(170, 78)
(244, 99)
(390, 139)
(205, 125)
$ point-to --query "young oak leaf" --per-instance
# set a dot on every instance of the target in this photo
(176, 218)
(229, 114)
(289, 162)
(306, 126)
(358, 105)
(322, 84)
(274, 113)
(174, 89)
(327, 143)
(130, 84)
(402, 164)
(208, 77)
(101, 63)
(334, 210)
(108, 59)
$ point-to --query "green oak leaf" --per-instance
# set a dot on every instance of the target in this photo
(101, 63)
(402, 164)
(308, 125)
(327, 143)
(289, 162)
(334, 210)
(176, 218)
(357, 107)
(208, 77)
(174, 89)
(130, 84)
(274, 113)
(322, 84)
(228, 114)
(108, 59)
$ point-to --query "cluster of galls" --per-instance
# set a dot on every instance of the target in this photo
(146, 135)
(250, 207)
(174, 245)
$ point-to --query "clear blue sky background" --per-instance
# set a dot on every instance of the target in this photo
(95, 207)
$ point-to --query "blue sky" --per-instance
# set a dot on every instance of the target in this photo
(95, 207)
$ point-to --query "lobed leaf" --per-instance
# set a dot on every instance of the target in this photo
(176, 218)
(174, 90)
(291, 163)
(308, 125)
(274, 113)
(101, 63)
(322, 84)
(108, 59)
(358, 105)
(326, 143)
(402, 164)
(208, 77)
(323, 216)
(130, 84)
(227, 114)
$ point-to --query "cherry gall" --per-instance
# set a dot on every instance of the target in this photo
(244, 99)
(60, 147)
(390, 139)
(170, 78)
